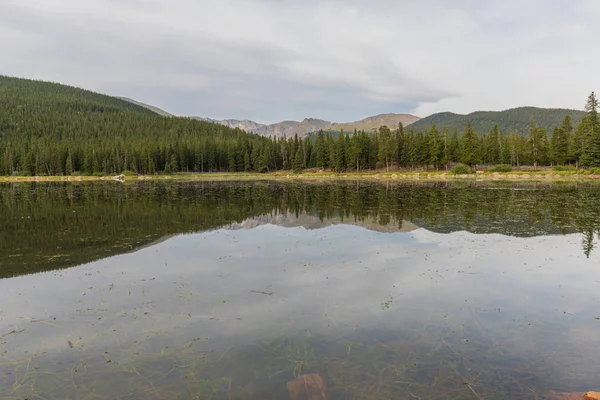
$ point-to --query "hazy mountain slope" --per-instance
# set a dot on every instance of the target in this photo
(308, 125)
(367, 124)
(38, 96)
(508, 120)
(284, 128)
(149, 107)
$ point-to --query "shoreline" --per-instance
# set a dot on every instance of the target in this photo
(322, 176)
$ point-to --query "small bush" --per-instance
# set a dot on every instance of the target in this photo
(563, 168)
(460, 169)
(501, 168)
(595, 171)
(128, 173)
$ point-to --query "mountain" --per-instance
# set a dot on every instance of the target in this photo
(280, 129)
(514, 119)
(33, 97)
(149, 107)
(310, 221)
(52, 129)
(367, 124)
(308, 125)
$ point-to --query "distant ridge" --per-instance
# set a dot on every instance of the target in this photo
(149, 107)
(514, 119)
(369, 123)
(309, 125)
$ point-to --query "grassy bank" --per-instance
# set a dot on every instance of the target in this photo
(542, 175)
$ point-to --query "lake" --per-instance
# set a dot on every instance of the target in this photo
(230, 290)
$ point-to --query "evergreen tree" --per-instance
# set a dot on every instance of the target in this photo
(331, 151)
(434, 148)
(340, 153)
(454, 147)
(590, 123)
(470, 147)
(560, 141)
(321, 150)
(576, 144)
(492, 147)
(445, 153)
(387, 146)
(298, 163)
(538, 145)
(399, 135)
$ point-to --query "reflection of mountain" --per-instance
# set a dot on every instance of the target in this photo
(308, 221)
(504, 226)
(480, 225)
(48, 226)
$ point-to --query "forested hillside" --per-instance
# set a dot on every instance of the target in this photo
(50, 129)
(515, 119)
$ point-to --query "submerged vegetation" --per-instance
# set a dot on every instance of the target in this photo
(371, 365)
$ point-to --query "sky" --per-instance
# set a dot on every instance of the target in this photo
(338, 60)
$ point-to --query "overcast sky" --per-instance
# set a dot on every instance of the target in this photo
(339, 60)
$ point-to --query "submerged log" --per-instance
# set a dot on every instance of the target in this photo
(307, 387)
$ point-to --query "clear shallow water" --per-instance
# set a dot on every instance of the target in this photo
(387, 291)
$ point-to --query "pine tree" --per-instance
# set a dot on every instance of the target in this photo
(538, 145)
(560, 141)
(561, 148)
(399, 135)
(321, 150)
(331, 152)
(454, 147)
(470, 150)
(386, 147)
(576, 144)
(492, 147)
(340, 153)
(590, 155)
(434, 148)
(298, 163)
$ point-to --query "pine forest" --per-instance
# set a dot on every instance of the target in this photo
(52, 129)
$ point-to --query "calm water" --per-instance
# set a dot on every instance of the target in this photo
(231, 290)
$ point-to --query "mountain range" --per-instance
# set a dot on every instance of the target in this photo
(511, 120)
(309, 125)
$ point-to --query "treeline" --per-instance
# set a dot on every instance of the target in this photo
(435, 149)
(50, 129)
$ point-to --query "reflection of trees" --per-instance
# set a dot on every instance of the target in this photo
(587, 242)
(54, 225)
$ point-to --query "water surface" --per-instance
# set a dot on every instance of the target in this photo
(231, 290)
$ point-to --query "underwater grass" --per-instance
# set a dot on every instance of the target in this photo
(432, 362)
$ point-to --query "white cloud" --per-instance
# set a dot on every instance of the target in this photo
(339, 60)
